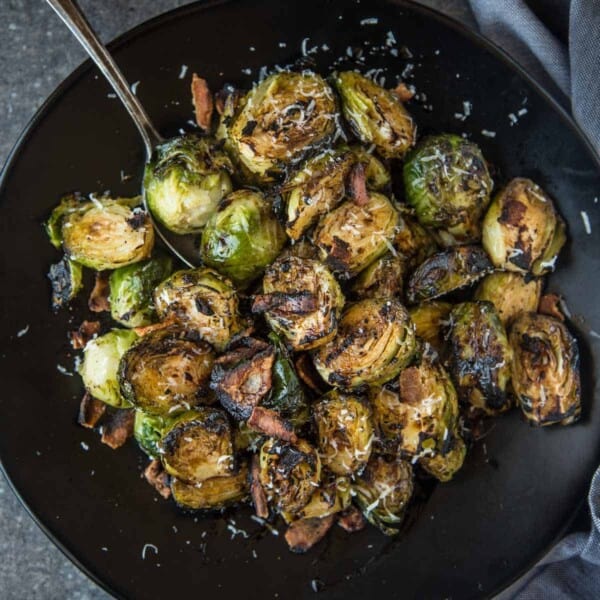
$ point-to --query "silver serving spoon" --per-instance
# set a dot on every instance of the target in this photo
(74, 19)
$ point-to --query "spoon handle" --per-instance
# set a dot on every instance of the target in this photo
(74, 19)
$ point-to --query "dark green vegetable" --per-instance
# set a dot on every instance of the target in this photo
(66, 279)
(148, 431)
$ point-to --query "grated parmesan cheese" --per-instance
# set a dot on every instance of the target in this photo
(586, 222)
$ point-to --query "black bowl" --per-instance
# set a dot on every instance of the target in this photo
(519, 488)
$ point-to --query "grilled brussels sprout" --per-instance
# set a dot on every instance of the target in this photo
(302, 301)
(443, 466)
(66, 279)
(545, 370)
(383, 491)
(289, 474)
(167, 371)
(198, 446)
(99, 369)
(381, 279)
(67, 204)
(131, 290)
(184, 182)
(448, 184)
(377, 175)
(447, 271)
(431, 320)
(480, 356)
(345, 432)
(318, 187)
(202, 300)
(521, 230)
(281, 120)
(375, 115)
(148, 431)
(413, 243)
(511, 294)
(107, 233)
(375, 340)
(333, 496)
(351, 237)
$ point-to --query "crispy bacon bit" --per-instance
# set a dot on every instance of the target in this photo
(259, 498)
(118, 428)
(269, 422)
(550, 305)
(403, 92)
(158, 478)
(296, 303)
(351, 520)
(86, 331)
(308, 374)
(411, 390)
(302, 535)
(99, 301)
(90, 411)
(357, 185)
(141, 331)
(203, 102)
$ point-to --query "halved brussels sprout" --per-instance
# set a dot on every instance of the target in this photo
(345, 432)
(281, 120)
(67, 204)
(184, 182)
(511, 294)
(448, 184)
(383, 491)
(381, 279)
(545, 370)
(447, 271)
(203, 300)
(351, 237)
(375, 115)
(480, 357)
(99, 369)
(302, 301)
(444, 466)
(66, 279)
(333, 496)
(289, 474)
(521, 230)
(413, 242)
(431, 320)
(167, 371)
(375, 340)
(197, 446)
(318, 187)
(242, 237)
(377, 175)
(107, 233)
(148, 431)
(131, 290)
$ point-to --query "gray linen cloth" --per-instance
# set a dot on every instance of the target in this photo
(572, 568)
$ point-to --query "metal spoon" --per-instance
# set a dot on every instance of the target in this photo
(74, 19)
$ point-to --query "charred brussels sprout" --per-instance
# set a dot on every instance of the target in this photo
(413, 243)
(99, 369)
(148, 431)
(447, 271)
(68, 204)
(431, 320)
(480, 356)
(351, 237)
(375, 115)
(333, 496)
(281, 120)
(444, 466)
(383, 491)
(381, 279)
(202, 300)
(375, 340)
(167, 371)
(345, 432)
(131, 290)
(448, 184)
(302, 301)
(184, 182)
(521, 230)
(289, 474)
(377, 175)
(66, 279)
(511, 294)
(242, 237)
(545, 370)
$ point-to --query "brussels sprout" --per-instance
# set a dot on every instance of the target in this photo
(167, 371)
(447, 271)
(68, 204)
(375, 340)
(381, 279)
(184, 182)
(521, 230)
(480, 357)
(511, 294)
(131, 290)
(66, 279)
(545, 370)
(333, 496)
(375, 115)
(383, 491)
(289, 474)
(302, 301)
(318, 187)
(99, 369)
(448, 184)
(202, 300)
(413, 243)
(377, 175)
(242, 237)
(431, 320)
(148, 431)
(444, 466)
(345, 432)
(281, 120)
(107, 233)
(351, 237)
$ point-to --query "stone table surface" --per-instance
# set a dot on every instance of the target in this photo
(36, 53)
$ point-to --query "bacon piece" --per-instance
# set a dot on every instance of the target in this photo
(550, 305)
(118, 428)
(302, 535)
(351, 520)
(203, 102)
(98, 301)
(86, 331)
(90, 411)
(411, 389)
(269, 422)
(259, 498)
(296, 303)
(158, 478)
(357, 185)
(402, 92)
(141, 331)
